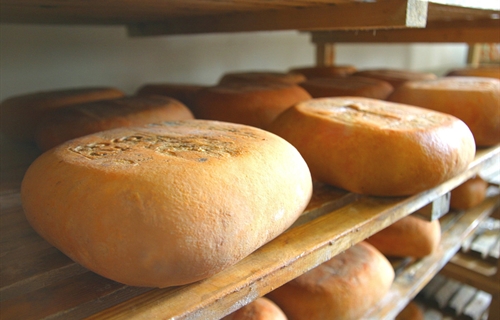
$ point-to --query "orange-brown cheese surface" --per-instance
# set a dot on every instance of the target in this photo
(395, 77)
(249, 103)
(260, 309)
(492, 71)
(345, 287)
(21, 114)
(348, 86)
(324, 71)
(78, 120)
(166, 204)
(376, 147)
(469, 194)
(474, 100)
(408, 237)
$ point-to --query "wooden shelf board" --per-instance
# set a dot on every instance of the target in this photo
(415, 276)
(32, 271)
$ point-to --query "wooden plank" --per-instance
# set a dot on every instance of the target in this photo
(462, 298)
(371, 15)
(436, 209)
(409, 283)
(478, 306)
(463, 31)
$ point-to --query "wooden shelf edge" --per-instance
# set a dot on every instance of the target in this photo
(415, 276)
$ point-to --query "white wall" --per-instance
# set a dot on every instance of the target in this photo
(36, 58)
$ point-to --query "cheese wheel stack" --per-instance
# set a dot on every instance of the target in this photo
(376, 147)
(344, 287)
(21, 114)
(149, 206)
(474, 100)
(78, 120)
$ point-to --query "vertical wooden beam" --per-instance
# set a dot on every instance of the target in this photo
(474, 54)
(325, 54)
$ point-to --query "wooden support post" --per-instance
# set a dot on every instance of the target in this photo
(325, 54)
(474, 54)
(436, 209)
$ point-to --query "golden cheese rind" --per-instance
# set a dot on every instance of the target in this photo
(344, 287)
(166, 204)
(474, 100)
(375, 147)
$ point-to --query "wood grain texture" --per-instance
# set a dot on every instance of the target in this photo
(33, 272)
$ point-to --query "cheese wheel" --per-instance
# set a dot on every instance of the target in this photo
(254, 104)
(474, 100)
(408, 237)
(165, 204)
(324, 71)
(347, 86)
(185, 93)
(262, 76)
(469, 194)
(78, 120)
(345, 287)
(395, 77)
(492, 71)
(412, 311)
(21, 114)
(376, 147)
(260, 309)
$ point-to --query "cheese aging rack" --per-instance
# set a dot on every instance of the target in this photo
(37, 281)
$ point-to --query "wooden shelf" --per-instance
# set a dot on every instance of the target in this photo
(410, 279)
(38, 281)
(160, 17)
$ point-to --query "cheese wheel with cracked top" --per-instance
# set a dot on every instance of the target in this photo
(262, 76)
(165, 204)
(474, 100)
(253, 104)
(259, 309)
(324, 71)
(345, 287)
(22, 113)
(183, 92)
(376, 147)
(408, 237)
(469, 194)
(348, 86)
(79, 120)
(395, 77)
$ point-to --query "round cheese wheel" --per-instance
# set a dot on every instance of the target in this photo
(474, 100)
(376, 147)
(78, 120)
(344, 287)
(254, 104)
(165, 204)
(408, 237)
(395, 77)
(260, 309)
(185, 93)
(412, 311)
(469, 194)
(347, 86)
(492, 71)
(21, 114)
(262, 76)
(324, 71)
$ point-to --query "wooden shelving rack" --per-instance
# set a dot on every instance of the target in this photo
(37, 281)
